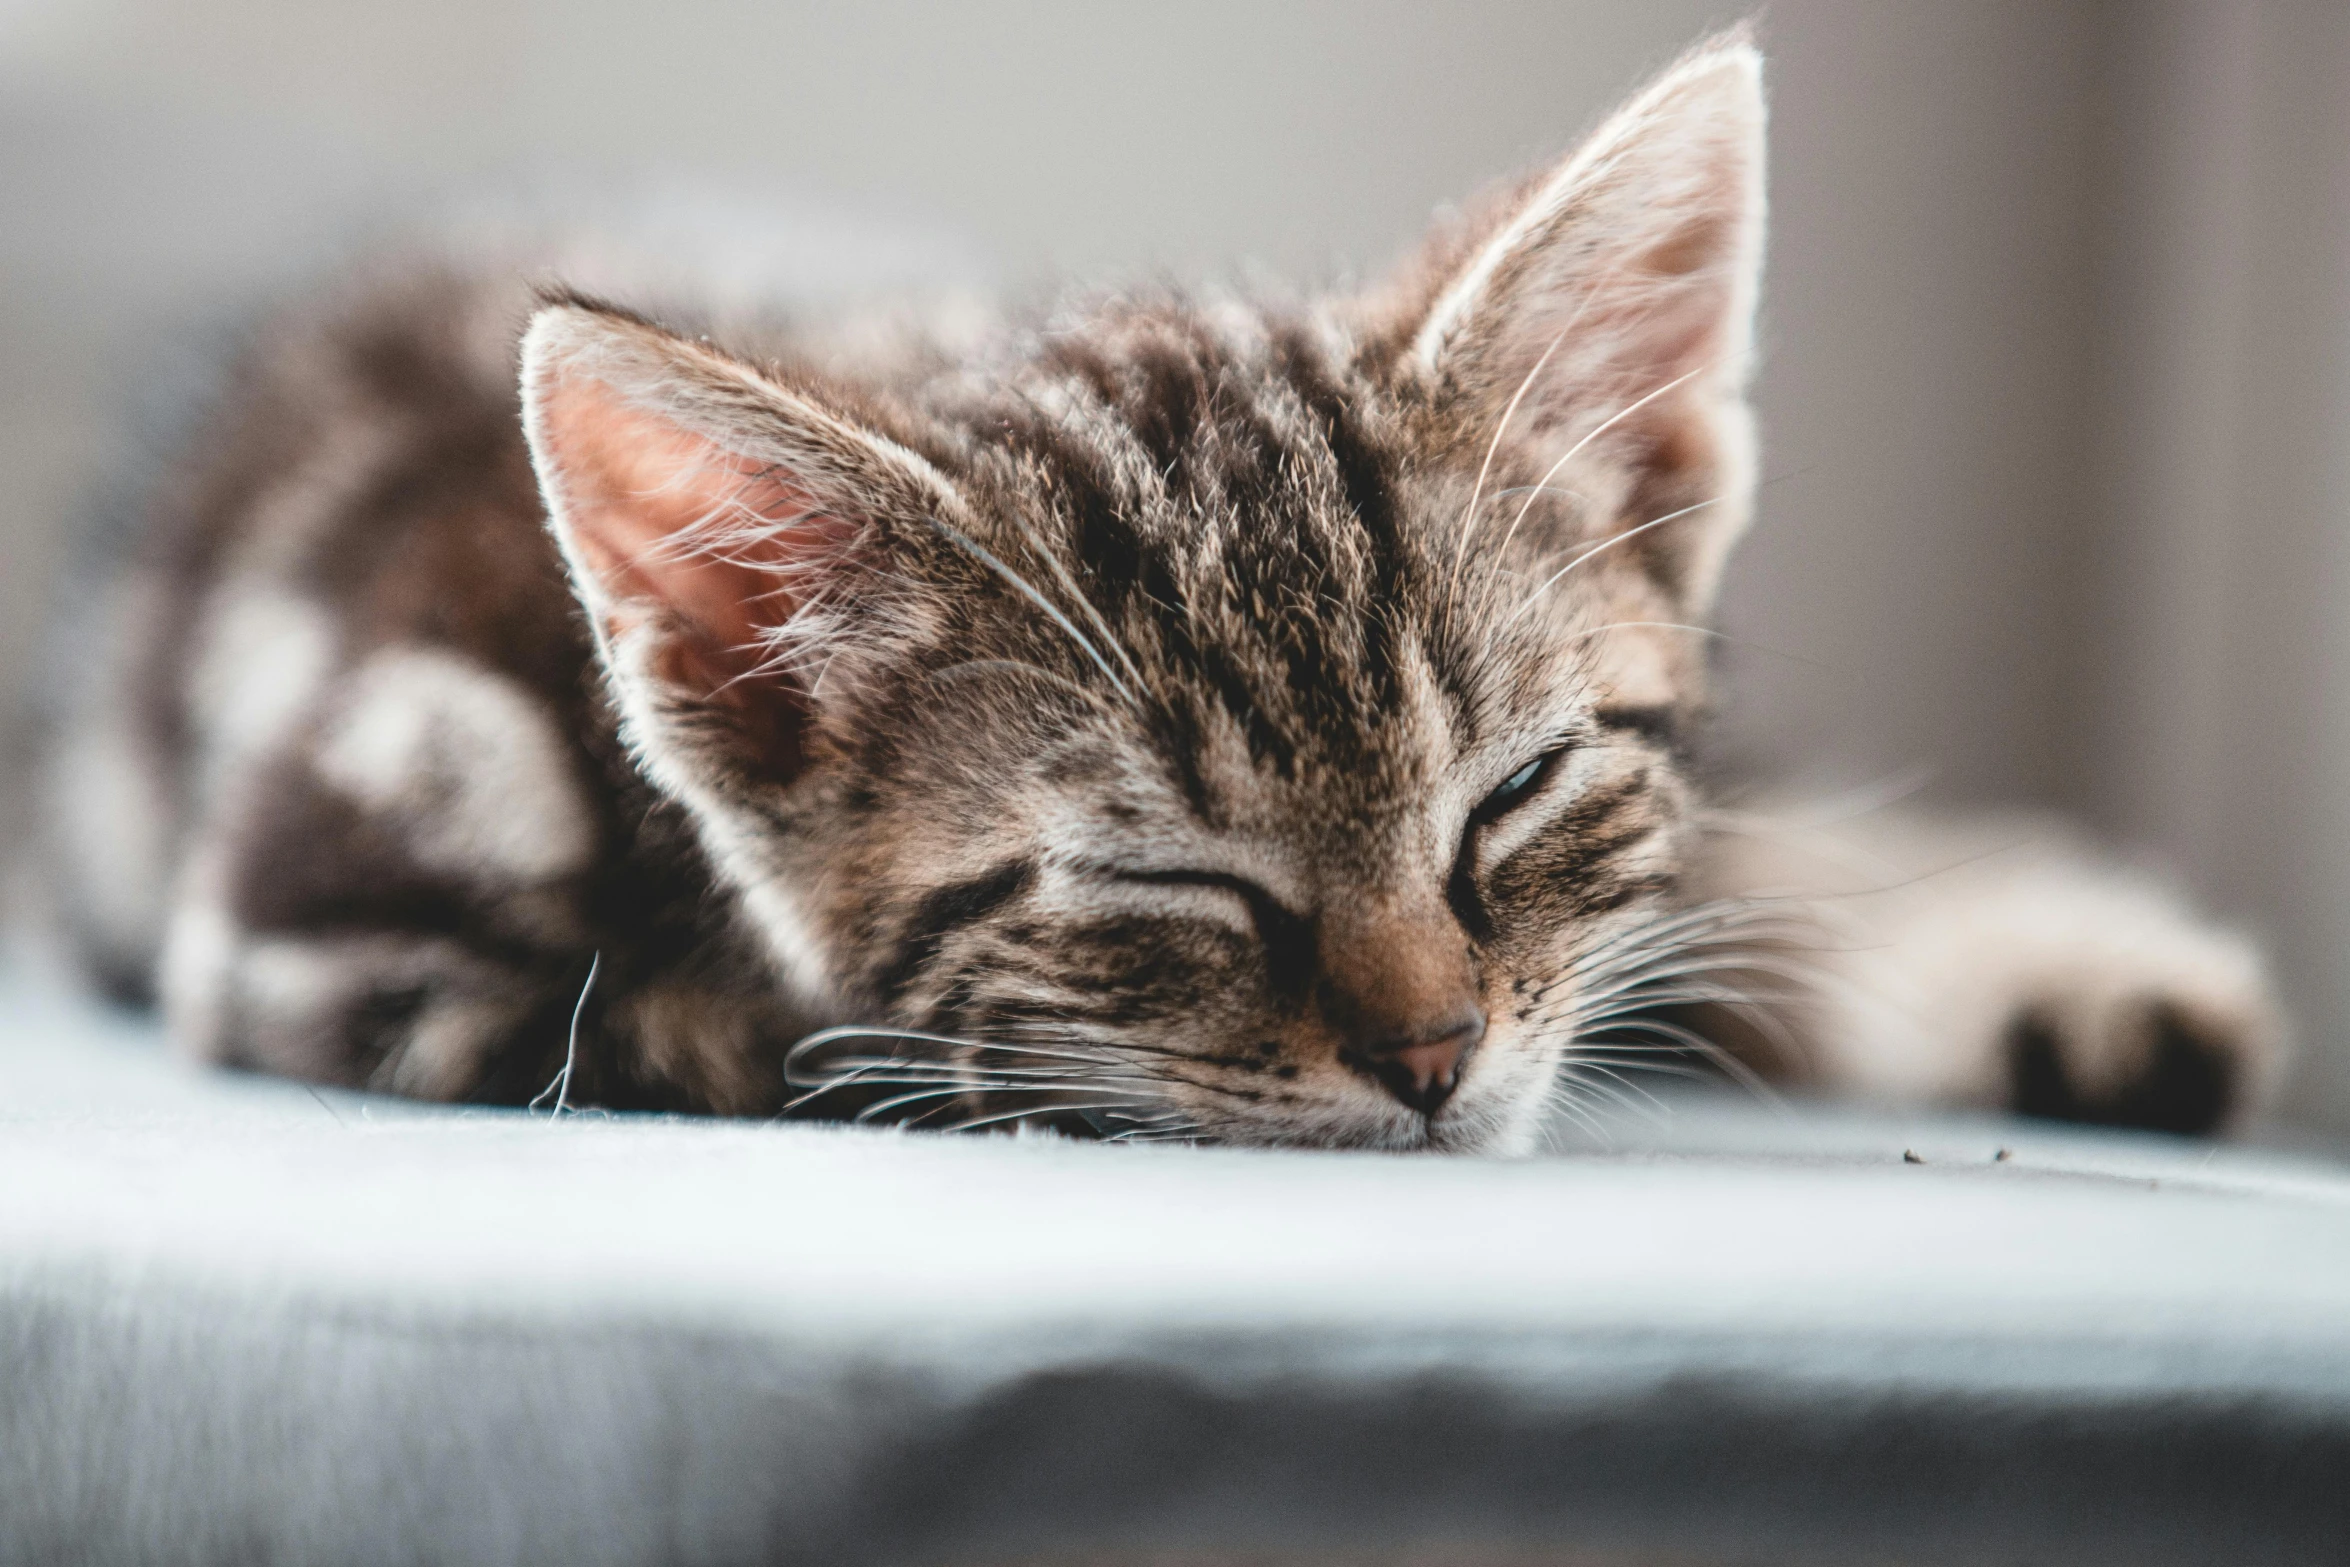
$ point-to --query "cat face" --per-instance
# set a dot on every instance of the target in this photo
(1202, 717)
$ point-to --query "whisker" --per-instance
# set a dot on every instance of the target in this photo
(1565, 1101)
(980, 553)
(986, 665)
(918, 1085)
(1600, 548)
(561, 1086)
(1648, 625)
(1757, 1014)
(1644, 966)
(1697, 1044)
(809, 1043)
(1186, 1132)
(1607, 1080)
(1467, 525)
(975, 1122)
(873, 1077)
(1642, 1059)
(1675, 920)
(1085, 603)
(1605, 425)
(914, 1069)
(1704, 922)
(874, 1112)
(1539, 489)
(1694, 971)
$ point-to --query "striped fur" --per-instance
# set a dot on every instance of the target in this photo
(1158, 717)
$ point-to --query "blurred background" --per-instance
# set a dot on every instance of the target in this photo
(2056, 377)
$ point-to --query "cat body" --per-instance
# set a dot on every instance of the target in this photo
(1259, 720)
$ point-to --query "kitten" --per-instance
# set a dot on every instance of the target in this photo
(1252, 720)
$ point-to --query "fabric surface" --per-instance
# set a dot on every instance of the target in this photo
(243, 1322)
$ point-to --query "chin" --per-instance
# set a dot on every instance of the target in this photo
(1501, 1116)
(1497, 1119)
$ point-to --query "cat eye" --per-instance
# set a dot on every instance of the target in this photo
(1263, 907)
(1515, 788)
(1287, 935)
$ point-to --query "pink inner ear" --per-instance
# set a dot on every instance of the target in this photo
(670, 522)
(709, 546)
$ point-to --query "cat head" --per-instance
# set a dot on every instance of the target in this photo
(1218, 718)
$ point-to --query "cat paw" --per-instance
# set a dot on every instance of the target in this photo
(2151, 1061)
(2006, 968)
(2111, 1003)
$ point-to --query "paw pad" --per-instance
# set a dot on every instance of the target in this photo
(2182, 1080)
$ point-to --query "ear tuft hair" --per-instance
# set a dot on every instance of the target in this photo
(1615, 298)
(710, 518)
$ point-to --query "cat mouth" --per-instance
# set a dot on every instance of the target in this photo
(915, 1079)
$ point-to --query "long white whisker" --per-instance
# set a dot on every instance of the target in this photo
(1460, 549)
(1757, 1012)
(1061, 573)
(826, 1036)
(1179, 1132)
(901, 1069)
(561, 1086)
(874, 1112)
(979, 553)
(1712, 918)
(1539, 489)
(1600, 548)
(1567, 1102)
(971, 666)
(1080, 1058)
(975, 1122)
(1060, 1076)
(880, 1108)
(1647, 625)
(1643, 998)
(1640, 989)
(807, 1044)
(1605, 425)
(1641, 1058)
(1630, 1095)
(1688, 1039)
(1669, 955)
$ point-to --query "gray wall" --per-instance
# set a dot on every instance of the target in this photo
(2056, 336)
(2213, 713)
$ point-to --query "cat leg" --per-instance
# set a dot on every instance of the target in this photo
(1997, 963)
(387, 898)
(395, 1012)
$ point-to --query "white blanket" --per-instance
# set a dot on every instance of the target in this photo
(243, 1322)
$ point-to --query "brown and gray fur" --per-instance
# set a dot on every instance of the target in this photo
(1245, 718)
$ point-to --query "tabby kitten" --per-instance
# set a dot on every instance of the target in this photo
(1251, 720)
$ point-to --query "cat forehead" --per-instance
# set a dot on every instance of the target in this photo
(1232, 496)
(1237, 460)
(1176, 403)
(1243, 510)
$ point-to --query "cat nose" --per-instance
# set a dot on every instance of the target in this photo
(1421, 1068)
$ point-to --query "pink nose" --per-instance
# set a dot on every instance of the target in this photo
(1423, 1073)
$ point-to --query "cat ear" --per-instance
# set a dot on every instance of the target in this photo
(1612, 306)
(713, 522)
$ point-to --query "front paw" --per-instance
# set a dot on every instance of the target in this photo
(1999, 965)
(2151, 1061)
(2122, 1008)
